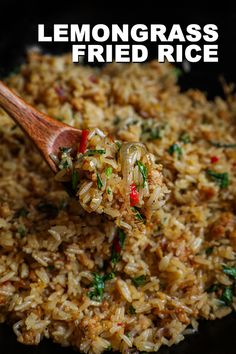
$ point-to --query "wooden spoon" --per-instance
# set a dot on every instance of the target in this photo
(47, 133)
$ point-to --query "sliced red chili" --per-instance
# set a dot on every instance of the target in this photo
(134, 195)
(214, 159)
(83, 141)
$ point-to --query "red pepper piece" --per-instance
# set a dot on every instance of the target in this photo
(83, 141)
(134, 196)
(116, 245)
(214, 159)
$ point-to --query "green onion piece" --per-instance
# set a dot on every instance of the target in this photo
(222, 145)
(108, 190)
(99, 182)
(139, 281)
(227, 295)
(75, 180)
(222, 179)
(108, 171)
(94, 152)
(138, 215)
(175, 148)
(143, 170)
(231, 271)
(118, 144)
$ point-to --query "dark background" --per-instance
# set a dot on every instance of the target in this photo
(18, 31)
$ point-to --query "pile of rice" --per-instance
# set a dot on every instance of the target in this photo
(58, 275)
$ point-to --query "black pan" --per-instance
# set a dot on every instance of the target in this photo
(18, 31)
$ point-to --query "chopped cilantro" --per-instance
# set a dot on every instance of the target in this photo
(143, 170)
(74, 179)
(139, 281)
(108, 171)
(175, 148)
(98, 285)
(231, 271)
(99, 181)
(227, 295)
(222, 179)
(108, 190)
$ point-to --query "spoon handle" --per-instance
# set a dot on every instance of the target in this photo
(37, 125)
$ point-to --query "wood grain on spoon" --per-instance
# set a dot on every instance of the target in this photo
(47, 133)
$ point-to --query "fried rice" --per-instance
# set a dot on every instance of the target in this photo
(77, 276)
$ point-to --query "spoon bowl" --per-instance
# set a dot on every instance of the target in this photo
(47, 133)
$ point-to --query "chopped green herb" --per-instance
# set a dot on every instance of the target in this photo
(108, 171)
(209, 250)
(155, 133)
(65, 150)
(64, 165)
(116, 121)
(94, 152)
(213, 288)
(22, 231)
(222, 179)
(143, 170)
(222, 145)
(21, 212)
(178, 72)
(118, 144)
(150, 131)
(139, 281)
(75, 180)
(138, 215)
(117, 246)
(51, 267)
(98, 285)
(231, 271)
(175, 148)
(227, 295)
(131, 310)
(108, 190)
(99, 181)
(185, 138)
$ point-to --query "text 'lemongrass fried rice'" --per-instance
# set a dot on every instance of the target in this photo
(83, 279)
